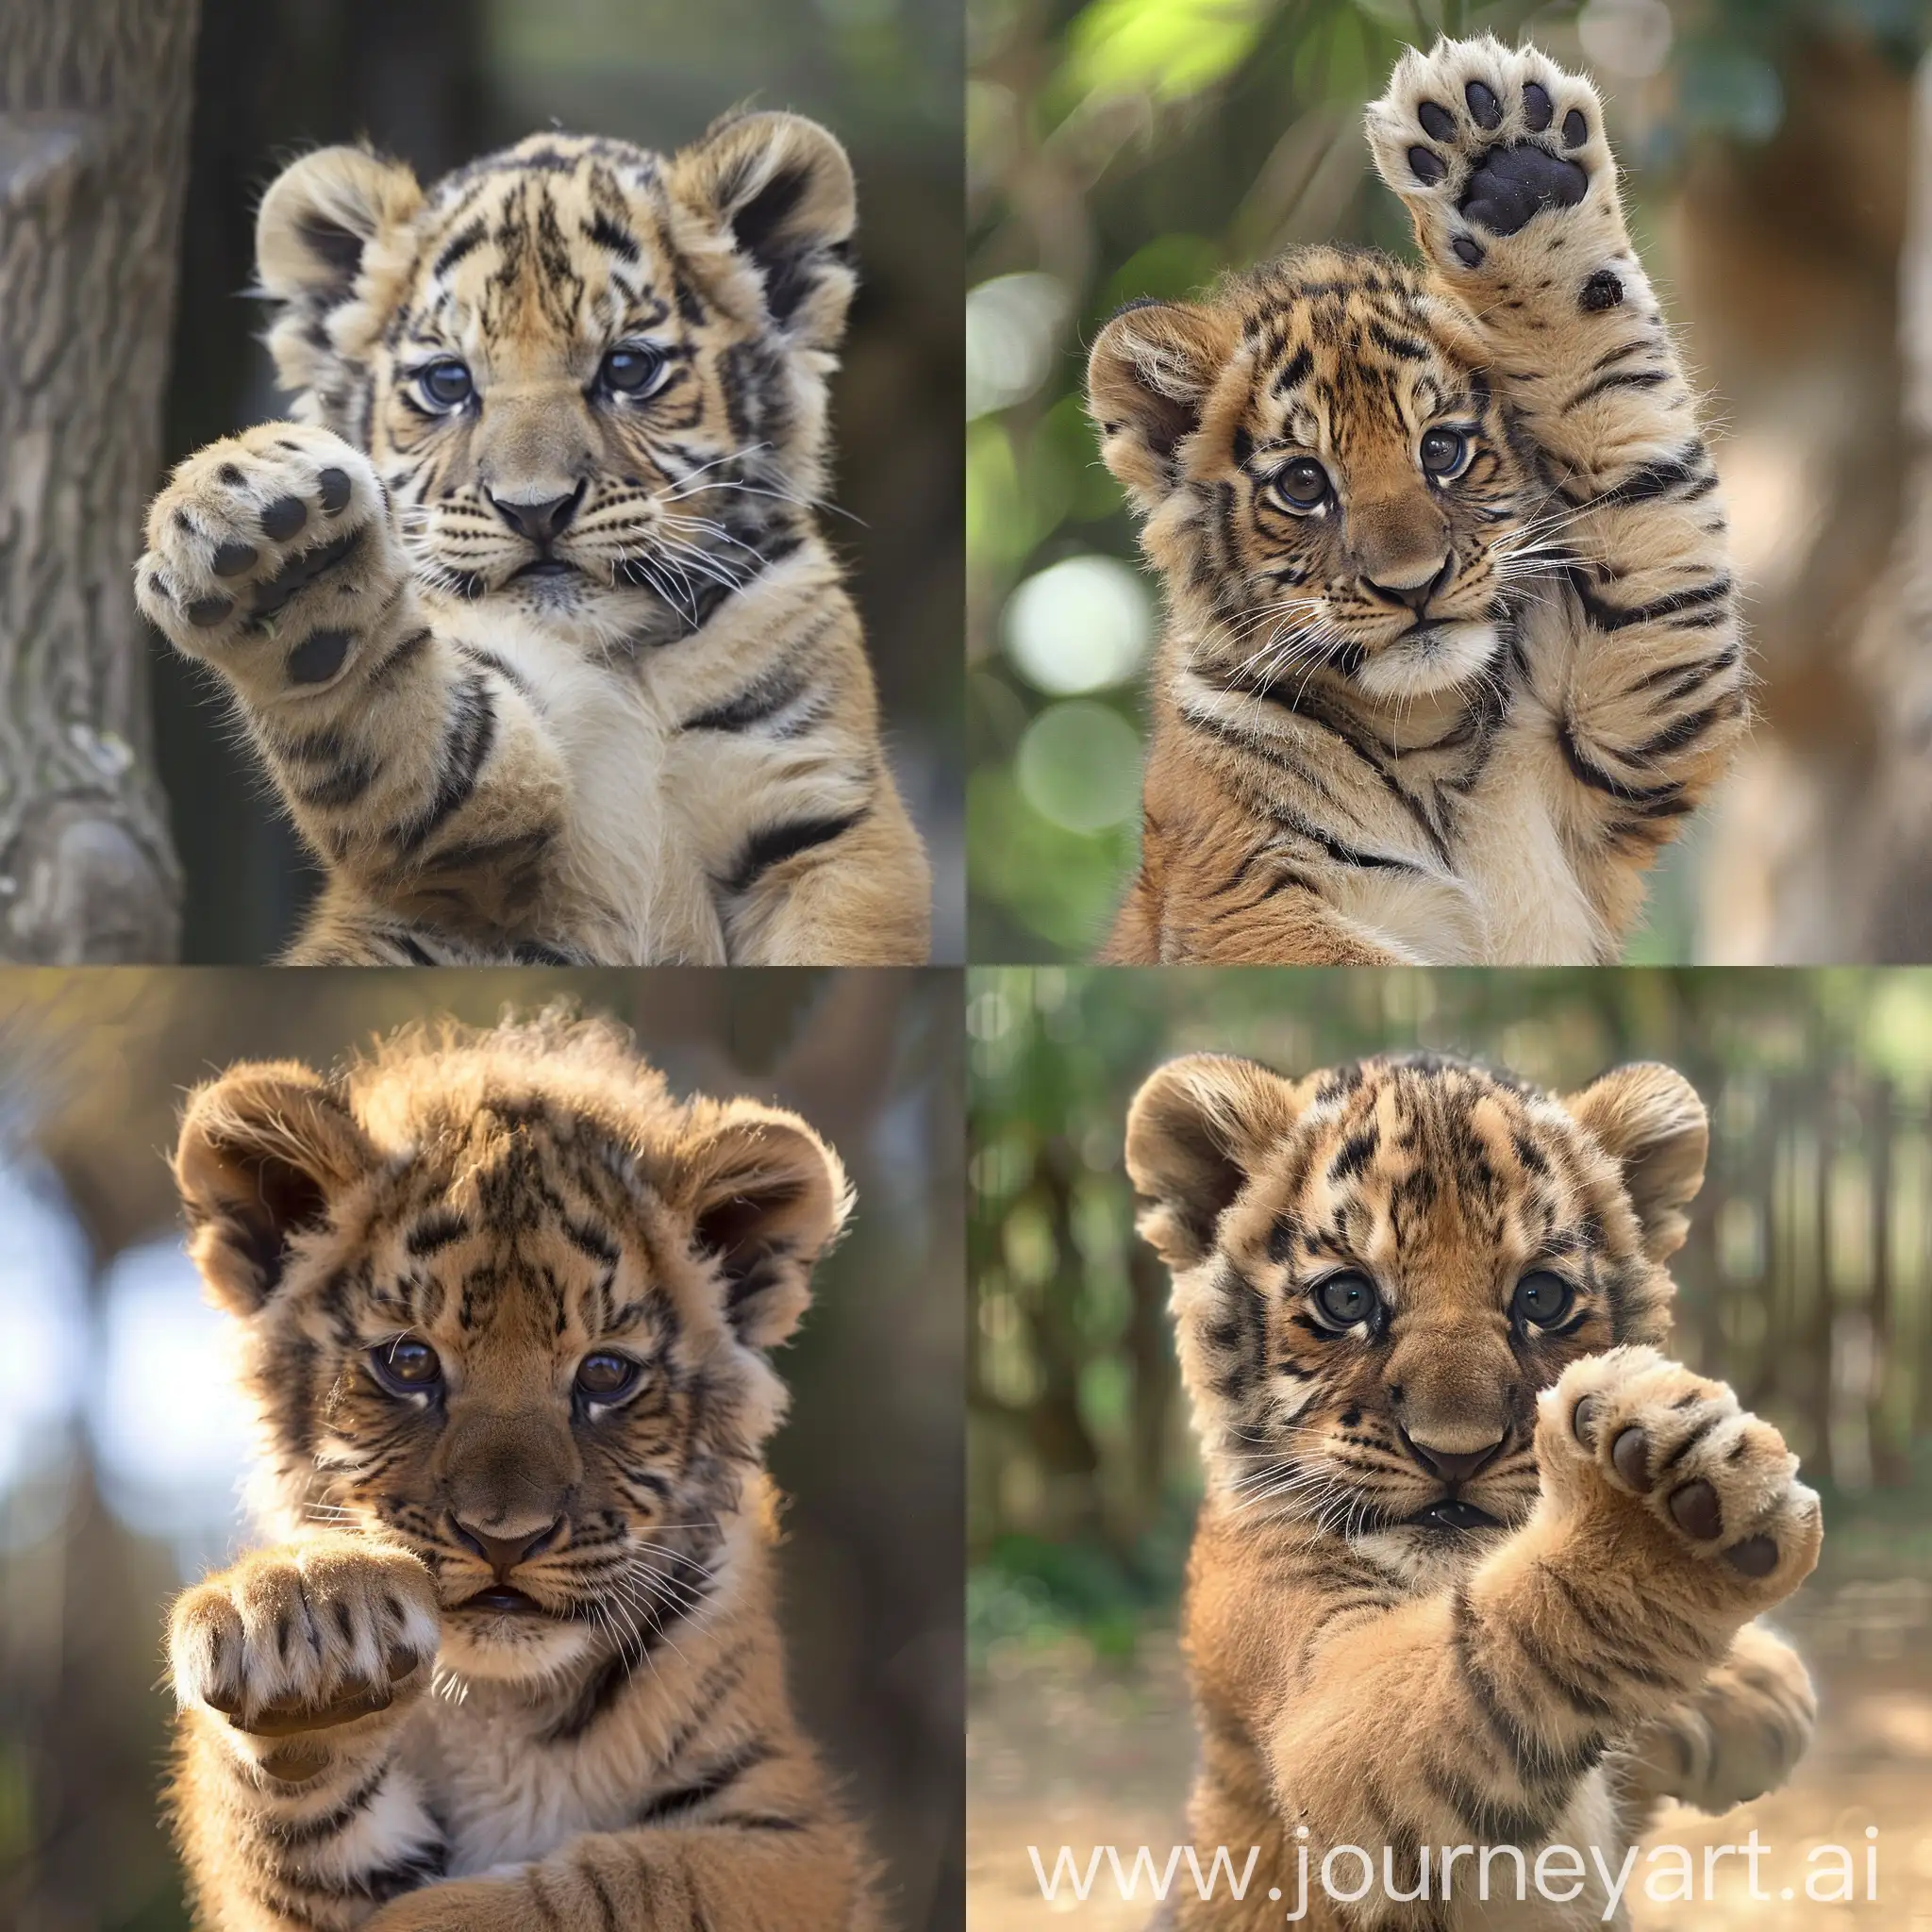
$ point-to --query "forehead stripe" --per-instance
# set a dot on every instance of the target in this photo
(457, 246)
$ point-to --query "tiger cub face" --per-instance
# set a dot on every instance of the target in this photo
(1326, 474)
(1377, 1268)
(593, 379)
(504, 1300)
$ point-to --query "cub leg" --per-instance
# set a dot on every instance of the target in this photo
(858, 893)
(1637, 669)
(1736, 1737)
(1668, 1519)
(770, 1876)
(296, 1672)
(416, 771)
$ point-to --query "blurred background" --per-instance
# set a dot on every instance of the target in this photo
(1119, 148)
(1807, 1284)
(437, 82)
(121, 1446)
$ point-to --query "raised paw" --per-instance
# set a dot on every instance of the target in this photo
(1632, 1432)
(306, 1638)
(271, 552)
(1478, 139)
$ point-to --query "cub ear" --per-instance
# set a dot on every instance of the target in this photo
(263, 1152)
(781, 188)
(319, 216)
(1196, 1132)
(323, 243)
(1649, 1119)
(1148, 380)
(766, 1197)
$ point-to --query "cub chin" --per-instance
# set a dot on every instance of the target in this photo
(511, 1656)
(1477, 1563)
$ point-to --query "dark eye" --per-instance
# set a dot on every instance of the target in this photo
(1541, 1298)
(1443, 451)
(1346, 1299)
(632, 372)
(446, 384)
(1302, 484)
(407, 1366)
(605, 1376)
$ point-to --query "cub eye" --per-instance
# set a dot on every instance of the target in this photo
(446, 384)
(605, 1376)
(1541, 1298)
(407, 1366)
(1346, 1299)
(1302, 484)
(632, 372)
(1444, 452)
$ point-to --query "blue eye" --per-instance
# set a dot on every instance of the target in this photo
(1443, 452)
(446, 384)
(1346, 1299)
(632, 372)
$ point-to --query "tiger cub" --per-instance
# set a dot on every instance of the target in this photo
(511, 1657)
(529, 615)
(1453, 644)
(1476, 1564)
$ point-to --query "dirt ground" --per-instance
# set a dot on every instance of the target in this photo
(1065, 1750)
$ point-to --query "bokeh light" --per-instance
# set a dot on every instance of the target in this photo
(170, 1433)
(43, 1314)
(1012, 325)
(1080, 625)
(1079, 766)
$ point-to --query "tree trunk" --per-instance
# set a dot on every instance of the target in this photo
(94, 104)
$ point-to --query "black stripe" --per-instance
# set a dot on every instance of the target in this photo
(468, 739)
(401, 655)
(307, 1831)
(341, 789)
(717, 1776)
(763, 699)
(1608, 617)
(1616, 378)
(459, 245)
(773, 845)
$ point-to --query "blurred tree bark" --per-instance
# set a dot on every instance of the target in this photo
(95, 107)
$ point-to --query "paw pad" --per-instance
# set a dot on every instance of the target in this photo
(1511, 184)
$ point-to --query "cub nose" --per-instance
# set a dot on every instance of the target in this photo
(541, 522)
(503, 1553)
(1454, 1466)
(1416, 595)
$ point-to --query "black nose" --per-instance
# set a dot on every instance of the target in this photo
(503, 1553)
(541, 522)
(1451, 1467)
(1416, 596)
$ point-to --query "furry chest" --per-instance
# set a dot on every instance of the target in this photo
(505, 1799)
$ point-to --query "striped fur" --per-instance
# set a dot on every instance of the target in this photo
(528, 616)
(364, 1740)
(1433, 1599)
(1445, 712)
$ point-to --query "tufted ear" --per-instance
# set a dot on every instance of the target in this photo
(262, 1151)
(766, 1198)
(1649, 1119)
(1148, 379)
(781, 188)
(327, 253)
(1196, 1131)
